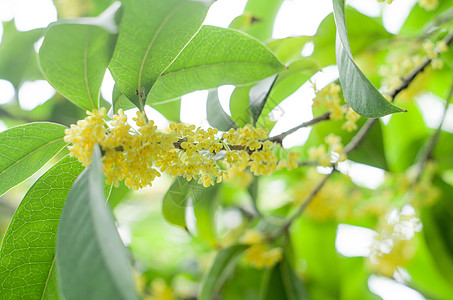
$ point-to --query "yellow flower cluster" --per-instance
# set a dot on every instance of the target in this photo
(160, 291)
(388, 1)
(260, 255)
(433, 51)
(429, 4)
(328, 156)
(393, 246)
(337, 200)
(351, 119)
(139, 156)
(329, 97)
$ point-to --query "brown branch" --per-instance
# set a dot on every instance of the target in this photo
(409, 78)
(285, 227)
(279, 138)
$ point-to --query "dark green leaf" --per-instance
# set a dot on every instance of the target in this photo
(369, 32)
(28, 249)
(25, 149)
(358, 91)
(371, 150)
(258, 96)
(152, 34)
(75, 54)
(283, 283)
(214, 278)
(91, 259)
(214, 57)
(217, 117)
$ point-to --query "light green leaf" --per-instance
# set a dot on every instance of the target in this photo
(91, 259)
(239, 105)
(152, 34)
(170, 110)
(220, 269)
(175, 203)
(205, 207)
(53, 288)
(288, 49)
(217, 117)
(264, 13)
(119, 100)
(25, 149)
(17, 56)
(215, 56)
(28, 249)
(358, 91)
(75, 54)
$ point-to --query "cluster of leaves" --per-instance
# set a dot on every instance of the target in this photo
(62, 241)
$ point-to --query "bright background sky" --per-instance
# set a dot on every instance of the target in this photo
(296, 17)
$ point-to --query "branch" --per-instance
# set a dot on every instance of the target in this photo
(407, 80)
(435, 137)
(302, 207)
(279, 138)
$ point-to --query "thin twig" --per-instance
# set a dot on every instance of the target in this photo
(435, 137)
(285, 227)
(407, 80)
(279, 138)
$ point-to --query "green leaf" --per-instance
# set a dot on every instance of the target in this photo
(370, 32)
(119, 100)
(53, 288)
(217, 117)
(152, 34)
(215, 56)
(371, 151)
(91, 259)
(288, 49)
(75, 54)
(170, 110)
(239, 105)
(25, 149)
(358, 91)
(263, 13)
(258, 96)
(283, 283)
(175, 203)
(402, 142)
(215, 277)
(205, 207)
(287, 83)
(17, 56)
(28, 249)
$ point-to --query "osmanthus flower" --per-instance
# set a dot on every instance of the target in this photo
(429, 4)
(394, 245)
(259, 254)
(326, 156)
(138, 156)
